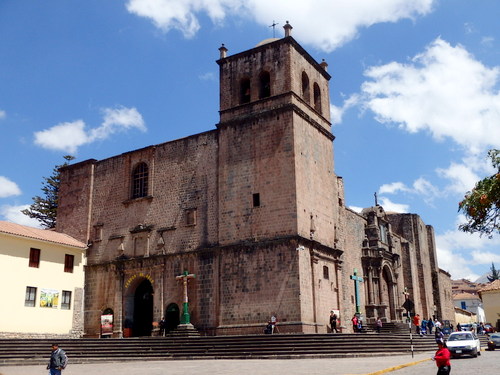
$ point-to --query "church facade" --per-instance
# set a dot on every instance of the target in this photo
(254, 210)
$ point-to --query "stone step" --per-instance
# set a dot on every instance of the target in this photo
(14, 352)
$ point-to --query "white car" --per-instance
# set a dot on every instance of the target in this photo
(459, 343)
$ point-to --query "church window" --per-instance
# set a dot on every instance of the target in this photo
(383, 232)
(69, 261)
(256, 200)
(140, 181)
(265, 85)
(306, 95)
(317, 98)
(326, 273)
(34, 258)
(245, 91)
(66, 300)
(191, 216)
(30, 298)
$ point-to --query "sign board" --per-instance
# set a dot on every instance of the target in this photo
(106, 325)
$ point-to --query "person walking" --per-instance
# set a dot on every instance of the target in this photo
(416, 323)
(442, 358)
(439, 335)
(58, 360)
(430, 325)
(378, 324)
(333, 321)
(162, 325)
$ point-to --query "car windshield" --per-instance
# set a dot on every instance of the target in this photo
(497, 336)
(460, 337)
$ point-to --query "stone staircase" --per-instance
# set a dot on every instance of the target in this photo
(37, 351)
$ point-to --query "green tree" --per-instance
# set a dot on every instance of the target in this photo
(44, 209)
(481, 206)
(495, 275)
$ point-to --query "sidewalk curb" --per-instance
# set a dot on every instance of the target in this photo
(394, 368)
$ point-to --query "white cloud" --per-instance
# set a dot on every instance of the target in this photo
(392, 188)
(356, 209)
(68, 136)
(338, 112)
(115, 120)
(444, 91)
(3, 114)
(458, 251)
(462, 177)
(8, 188)
(210, 76)
(390, 206)
(335, 22)
(14, 215)
(487, 41)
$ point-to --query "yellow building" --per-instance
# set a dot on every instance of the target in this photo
(41, 281)
(490, 294)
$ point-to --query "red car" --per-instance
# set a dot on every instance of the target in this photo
(488, 328)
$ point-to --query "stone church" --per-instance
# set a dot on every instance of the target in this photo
(254, 210)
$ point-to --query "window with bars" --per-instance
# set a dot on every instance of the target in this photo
(69, 261)
(66, 300)
(30, 298)
(326, 273)
(34, 258)
(140, 181)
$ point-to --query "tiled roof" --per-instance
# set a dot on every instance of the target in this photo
(494, 285)
(39, 234)
(465, 295)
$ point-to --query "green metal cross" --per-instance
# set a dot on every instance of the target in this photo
(185, 319)
(357, 279)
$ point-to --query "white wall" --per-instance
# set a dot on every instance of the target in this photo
(16, 275)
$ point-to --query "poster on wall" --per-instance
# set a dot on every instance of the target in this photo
(49, 298)
(107, 324)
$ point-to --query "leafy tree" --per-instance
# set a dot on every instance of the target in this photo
(44, 209)
(495, 275)
(481, 206)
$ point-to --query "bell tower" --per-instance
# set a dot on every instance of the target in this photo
(276, 175)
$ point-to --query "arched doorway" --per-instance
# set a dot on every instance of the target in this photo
(143, 309)
(388, 292)
(172, 317)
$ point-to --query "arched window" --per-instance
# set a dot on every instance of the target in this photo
(306, 95)
(265, 85)
(245, 91)
(317, 98)
(140, 181)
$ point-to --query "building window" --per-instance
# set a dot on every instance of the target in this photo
(245, 91)
(464, 305)
(317, 98)
(69, 261)
(256, 200)
(140, 181)
(265, 85)
(30, 298)
(306, 95)
(326, 273)
(34, 258)
(383, 232)
(66, 300)
(191, 216)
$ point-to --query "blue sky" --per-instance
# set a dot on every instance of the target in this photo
(415, 92)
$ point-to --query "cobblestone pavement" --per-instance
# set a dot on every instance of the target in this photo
(330, 366)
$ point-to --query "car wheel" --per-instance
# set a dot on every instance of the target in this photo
(474, 353)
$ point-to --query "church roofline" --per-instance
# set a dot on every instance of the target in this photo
(285, 40)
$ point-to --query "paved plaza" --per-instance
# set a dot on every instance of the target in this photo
(330, 366)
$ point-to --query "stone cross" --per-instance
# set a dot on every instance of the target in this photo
(357, 279)
(185, 278)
